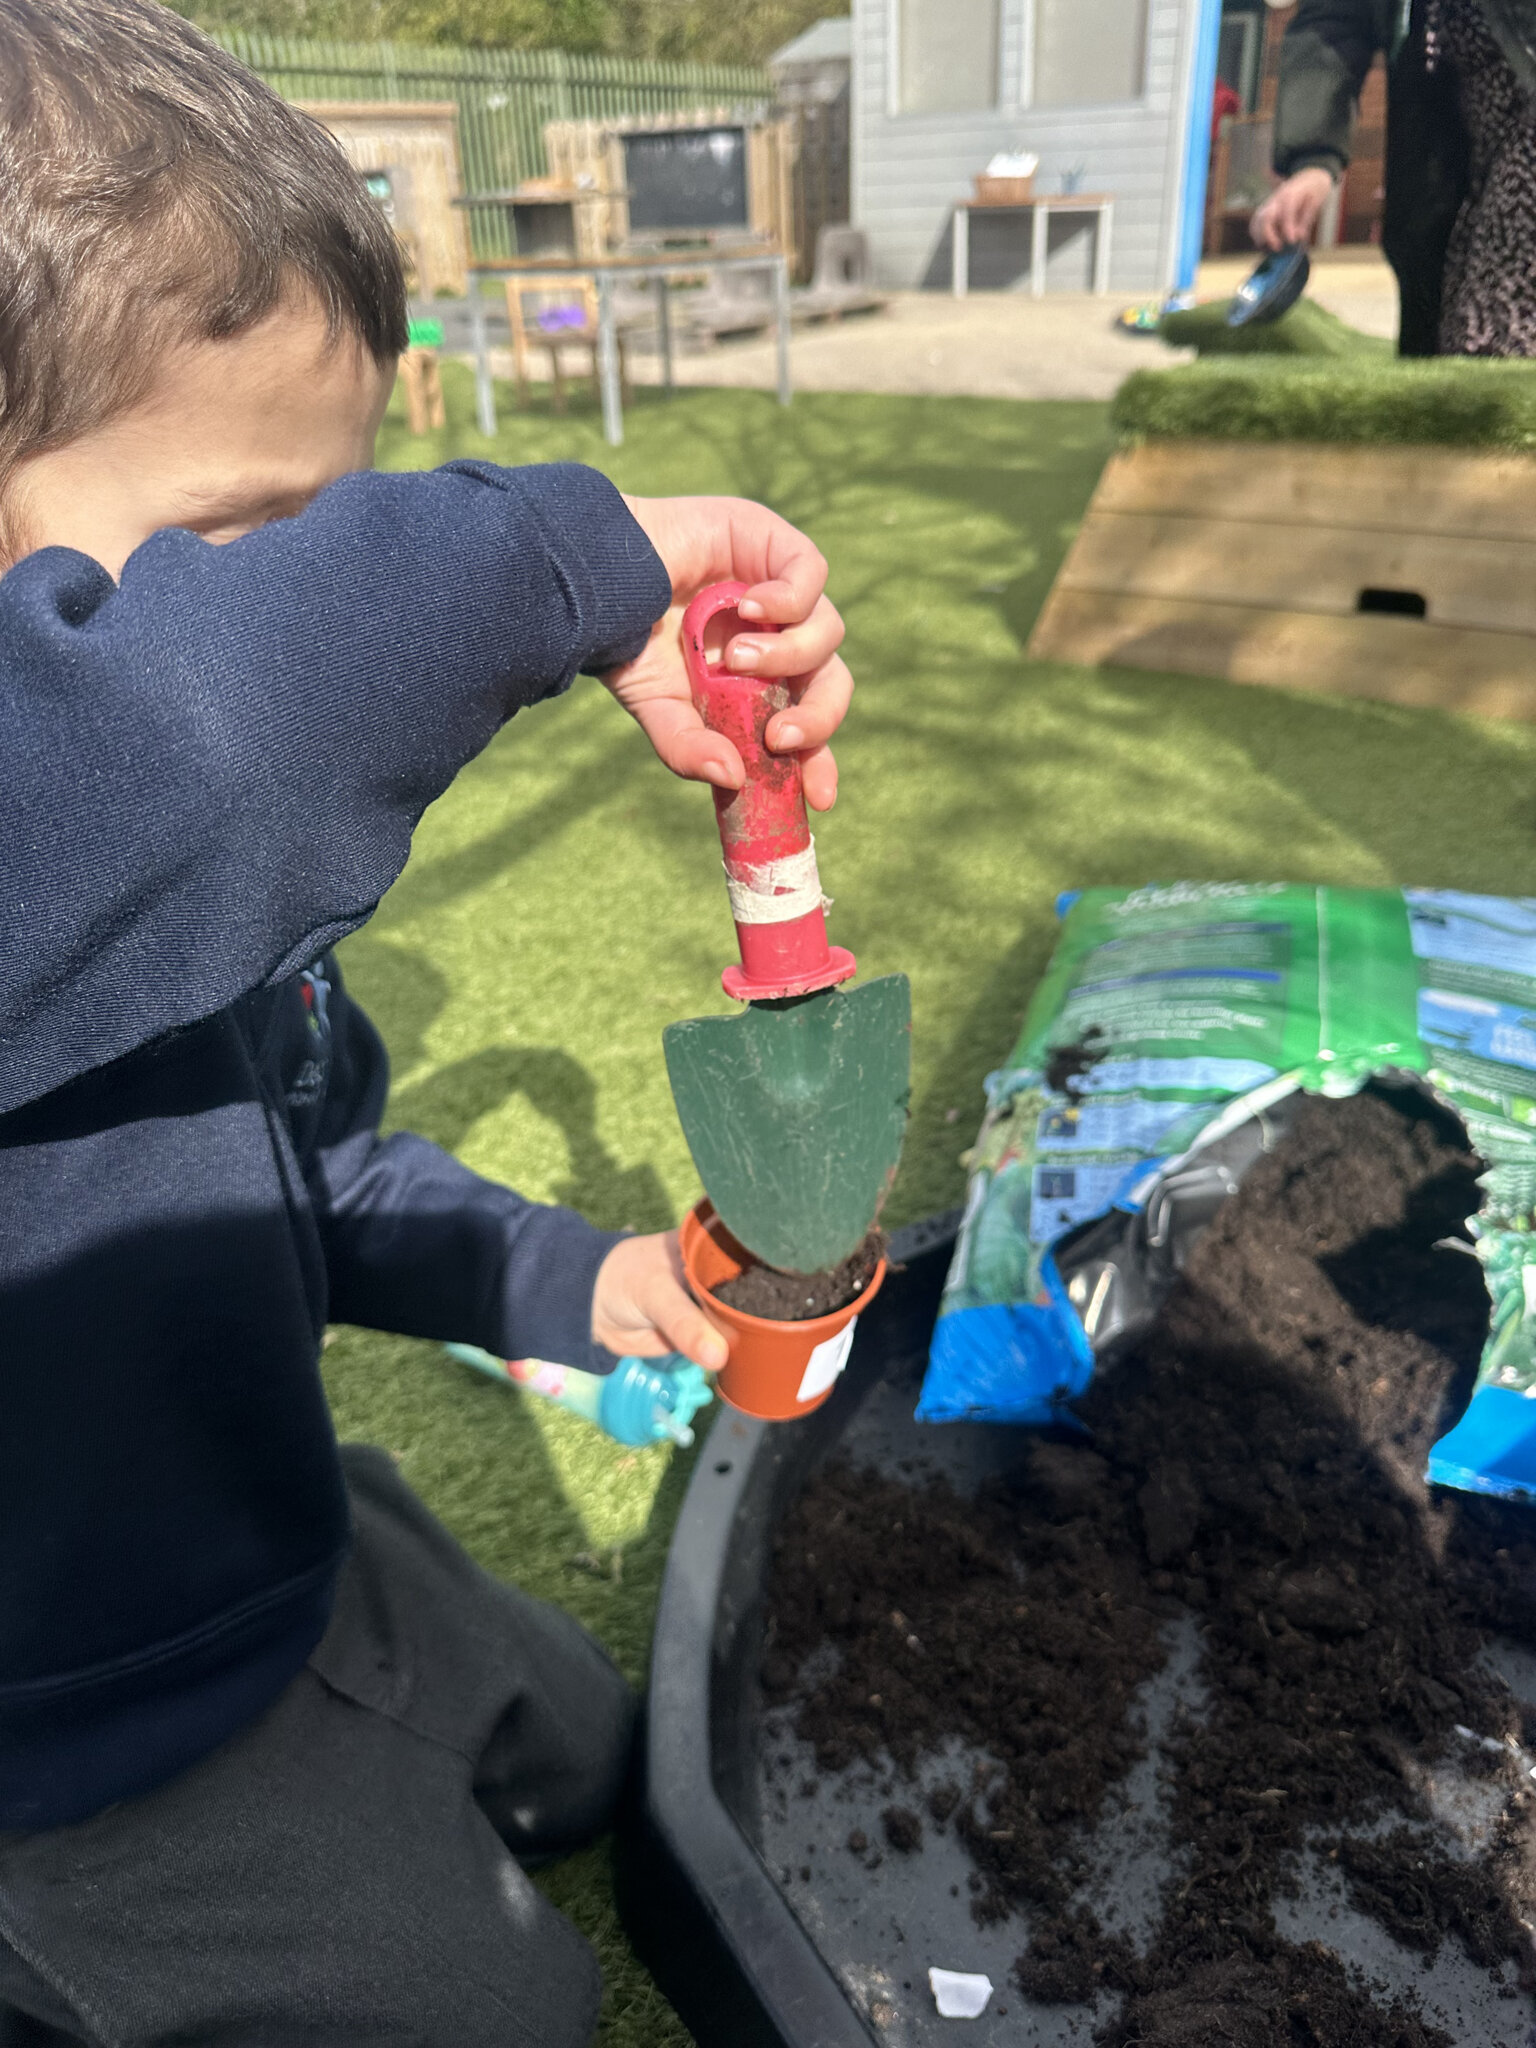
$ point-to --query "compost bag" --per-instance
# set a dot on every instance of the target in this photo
(1164, 1050)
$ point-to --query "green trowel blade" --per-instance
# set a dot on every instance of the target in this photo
(794, 1112)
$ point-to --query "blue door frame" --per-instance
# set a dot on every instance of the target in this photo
(1197, 144)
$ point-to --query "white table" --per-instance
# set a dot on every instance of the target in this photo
(640, 269)
(1040, 210)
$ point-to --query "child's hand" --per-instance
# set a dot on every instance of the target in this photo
(709, 540)
(641, 1307)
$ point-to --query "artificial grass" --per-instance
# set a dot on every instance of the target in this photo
(564, 902)
(1456, 402)
(1305, 329)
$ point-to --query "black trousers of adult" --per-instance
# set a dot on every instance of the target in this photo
(348, 1870)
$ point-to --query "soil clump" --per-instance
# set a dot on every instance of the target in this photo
(1067, 1064)
(760, 1290)
(1254, 1463)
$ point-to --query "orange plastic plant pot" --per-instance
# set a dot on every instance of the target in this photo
(776, 1370)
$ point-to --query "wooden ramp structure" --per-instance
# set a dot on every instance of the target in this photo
(1404, 573)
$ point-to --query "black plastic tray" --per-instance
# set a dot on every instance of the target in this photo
(737, 1882)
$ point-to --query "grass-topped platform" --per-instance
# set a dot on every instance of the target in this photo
(1330, 521)
(1372, 399)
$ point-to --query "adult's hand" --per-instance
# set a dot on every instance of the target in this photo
(1291, 212)
(641, 1307)
(712, 540)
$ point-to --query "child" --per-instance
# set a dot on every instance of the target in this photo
(273, 1751)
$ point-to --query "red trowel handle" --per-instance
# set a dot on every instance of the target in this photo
(770, 858)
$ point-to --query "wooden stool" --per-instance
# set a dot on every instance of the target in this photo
(557, 291)
(423, 390)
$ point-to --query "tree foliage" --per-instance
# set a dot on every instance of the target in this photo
(706, 31)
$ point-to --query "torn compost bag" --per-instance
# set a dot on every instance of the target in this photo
(1161, 1055)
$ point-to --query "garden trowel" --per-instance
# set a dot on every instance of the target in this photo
(795, 1109)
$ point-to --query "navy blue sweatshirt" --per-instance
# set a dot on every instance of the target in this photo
(208, 774)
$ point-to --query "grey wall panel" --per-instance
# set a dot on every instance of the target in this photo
(910, 169)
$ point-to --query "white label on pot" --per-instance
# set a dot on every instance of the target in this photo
(826, 1362)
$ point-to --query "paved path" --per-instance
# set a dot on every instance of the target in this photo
(997, 344)
(990, 345)
(1006, 344)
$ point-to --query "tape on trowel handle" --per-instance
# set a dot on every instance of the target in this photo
(770, 857)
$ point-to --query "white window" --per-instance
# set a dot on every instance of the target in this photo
(1087, 52)
(946, 56)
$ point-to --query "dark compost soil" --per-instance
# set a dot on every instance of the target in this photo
(1066, 1065)
(1256, 1461)
(801, 1297)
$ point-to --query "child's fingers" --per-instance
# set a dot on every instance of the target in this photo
(799, 577)
(689, 1332)
(687, 746)
(818, 778)
(687, 1329)
(798, 651)
(817, 712)
(678, 1320)
(641, 1306)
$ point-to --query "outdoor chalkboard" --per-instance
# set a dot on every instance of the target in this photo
(686, 178)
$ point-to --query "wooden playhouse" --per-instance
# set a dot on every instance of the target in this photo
(407, 153)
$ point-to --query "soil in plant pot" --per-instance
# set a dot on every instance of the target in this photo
(1254, 1464)
(800, 1297)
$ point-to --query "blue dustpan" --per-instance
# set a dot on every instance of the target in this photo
(1272, 289)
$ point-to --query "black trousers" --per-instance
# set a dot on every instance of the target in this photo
(349, 1869)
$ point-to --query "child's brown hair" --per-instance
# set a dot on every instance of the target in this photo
(153, 191)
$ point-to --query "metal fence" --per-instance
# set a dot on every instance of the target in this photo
(504, 97)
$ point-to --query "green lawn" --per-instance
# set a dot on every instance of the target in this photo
(564, 902)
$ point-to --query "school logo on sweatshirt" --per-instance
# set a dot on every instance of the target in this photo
(315, 992)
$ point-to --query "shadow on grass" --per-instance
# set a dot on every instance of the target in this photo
(433, 884)
(402, 989)
(445, 1105)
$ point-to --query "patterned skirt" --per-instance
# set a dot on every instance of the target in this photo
(1489, 302)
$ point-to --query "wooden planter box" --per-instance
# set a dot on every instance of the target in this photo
(1003, 191)
(1402, 573)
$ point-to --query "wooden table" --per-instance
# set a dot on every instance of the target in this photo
(1041, 209)
(653, 269)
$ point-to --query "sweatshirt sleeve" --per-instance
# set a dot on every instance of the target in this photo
(212, 770)
(417, 1244)
(1328, 49)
